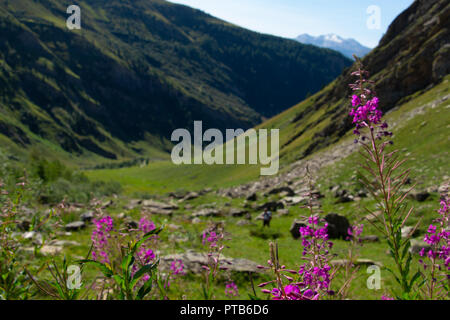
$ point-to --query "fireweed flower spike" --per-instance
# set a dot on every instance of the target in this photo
(436, 258)
(100, 236)
(213, 238)
(384, 182)
(314, 276)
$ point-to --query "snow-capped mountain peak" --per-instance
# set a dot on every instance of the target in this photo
(333, 37)
(347, 47)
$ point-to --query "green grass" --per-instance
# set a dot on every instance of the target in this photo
(163, 177)
(423, 139)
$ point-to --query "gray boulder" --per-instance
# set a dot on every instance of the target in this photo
(419, 196)
(337, 226)
(236, 212)
(194, 261)
(87, 216)
(295, 228)
(75, 226)
(206, 213)
(417, 245)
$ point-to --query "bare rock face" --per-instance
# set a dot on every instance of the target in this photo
(193, 262)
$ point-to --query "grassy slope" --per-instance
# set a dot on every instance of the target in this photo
(425, 137)
(150, 56)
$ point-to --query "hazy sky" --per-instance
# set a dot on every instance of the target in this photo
(290, 18)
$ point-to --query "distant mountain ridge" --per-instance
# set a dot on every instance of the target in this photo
(347, 47)
(137, 70)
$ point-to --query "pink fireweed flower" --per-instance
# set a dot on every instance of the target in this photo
(231, 289)
(177, 267)
(99, 237)
(366, 111)
(355, 100)
(438, 253)
(146, 225)
(314, 276)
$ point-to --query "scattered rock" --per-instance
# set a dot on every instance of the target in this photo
(272, 205)
(196, 221)
(206, 213)
(295, 228)
(48, 250)
(407, 230)
(374, 216)
(172, 226)
(337, 226)
(159, 205)
(419, 196)
(35, 237)
(107, 204)
(75, 226)
(236, 212)
(178, 194)
(362, 193)
(283, 212)
(178, 238)
(194, 261)
(131, 224)
(191, 196)
(63, 243)
(158, 211)
(133, 204)
(417, 245)
(358, 262)
(292, 201)
(252, 197)
(370, 238)
(87, 216)
(24, 225)
(343, 195)
(287, 191)
(244, 222)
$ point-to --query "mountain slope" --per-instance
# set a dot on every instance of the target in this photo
(137, 70)
(319, 129)
(347, 47)
(411, 58)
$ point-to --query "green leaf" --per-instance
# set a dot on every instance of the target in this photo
(126, 264)
(142, 271)
(145, 289)
(145, 238)
(107, 272)
(405, 249)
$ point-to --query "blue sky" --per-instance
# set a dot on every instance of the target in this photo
(290, 18)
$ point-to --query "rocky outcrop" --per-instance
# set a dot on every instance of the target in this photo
(194, 261)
